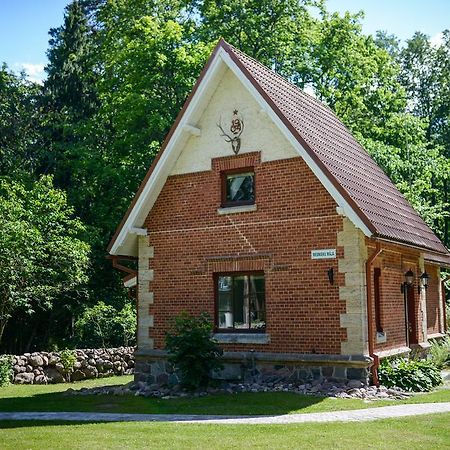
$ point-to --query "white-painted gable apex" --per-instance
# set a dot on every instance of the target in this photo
(192, 127)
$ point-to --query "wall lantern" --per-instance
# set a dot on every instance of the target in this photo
(409, 279)
(424, 280)
(330, 273)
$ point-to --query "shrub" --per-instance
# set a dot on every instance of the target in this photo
(68, 359)
(440, 352)
(192, 351)
(409, 374)
(5, 369)
(105, 326)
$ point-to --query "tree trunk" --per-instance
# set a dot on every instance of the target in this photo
(32, 336)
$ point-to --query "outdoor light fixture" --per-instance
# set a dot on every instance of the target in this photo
(330, 273)
(409, 279)
(424, 280)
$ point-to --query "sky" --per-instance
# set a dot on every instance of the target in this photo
(24, 25)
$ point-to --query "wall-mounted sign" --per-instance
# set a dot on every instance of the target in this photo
(236, 129)
(328, 253)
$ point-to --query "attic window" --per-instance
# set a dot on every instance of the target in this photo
(238, 187)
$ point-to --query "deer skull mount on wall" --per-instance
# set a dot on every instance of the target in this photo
(236, 129)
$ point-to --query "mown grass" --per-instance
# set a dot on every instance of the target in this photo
(422, 432)
(51, 398)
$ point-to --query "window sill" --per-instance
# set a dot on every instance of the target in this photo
(242, 338)
(236, 209)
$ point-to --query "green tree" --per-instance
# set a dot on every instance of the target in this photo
(69, 95)
(426, 77)
(104, 326)
(19, 124)
(278, 33)
(41, 253)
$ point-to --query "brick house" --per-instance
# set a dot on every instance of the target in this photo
(262, 210)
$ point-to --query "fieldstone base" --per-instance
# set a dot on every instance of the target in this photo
(153, 368)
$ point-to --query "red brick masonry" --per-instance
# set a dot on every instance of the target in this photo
(295, 214)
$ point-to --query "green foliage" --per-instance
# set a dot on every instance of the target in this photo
(68, 360)
(6, 370)
(440, 352)
(69, 88)
(104, 326)
(192, 350)
(425, 75)
(41, 253)
(409, 374)
(19, 124)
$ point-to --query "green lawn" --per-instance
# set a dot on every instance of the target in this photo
(50, 398)
(423, 432)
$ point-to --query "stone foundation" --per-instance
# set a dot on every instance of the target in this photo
(153, 368)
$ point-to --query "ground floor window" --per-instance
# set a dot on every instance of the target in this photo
(241, 302)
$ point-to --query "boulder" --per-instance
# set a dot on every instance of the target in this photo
(40, 379)
(21, 361)
(354, 384)
(78, 375)
(18, 369)
(35, 360)
(53, 375)
(107, 364)
(24, 378)
(53, 359)
(90, 372)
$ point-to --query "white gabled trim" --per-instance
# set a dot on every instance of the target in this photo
(130, 283)
(163, 167)
(138, 231)
(192, 130)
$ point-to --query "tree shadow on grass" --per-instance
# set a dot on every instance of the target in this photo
(10, 424)
(242, 404)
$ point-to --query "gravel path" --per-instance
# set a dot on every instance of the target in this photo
(383, 412)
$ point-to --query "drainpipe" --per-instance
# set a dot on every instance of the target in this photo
(375, 364)
(444, 304)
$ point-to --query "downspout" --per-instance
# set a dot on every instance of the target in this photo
(444, 304)
(374, 368)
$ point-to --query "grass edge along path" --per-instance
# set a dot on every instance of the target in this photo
(424, 432)
(47, 398)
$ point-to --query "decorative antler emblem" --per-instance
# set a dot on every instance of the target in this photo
(236, 129)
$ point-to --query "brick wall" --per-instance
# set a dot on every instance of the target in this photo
(294, 215)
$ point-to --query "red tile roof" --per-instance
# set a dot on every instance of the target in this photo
(349, 167)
